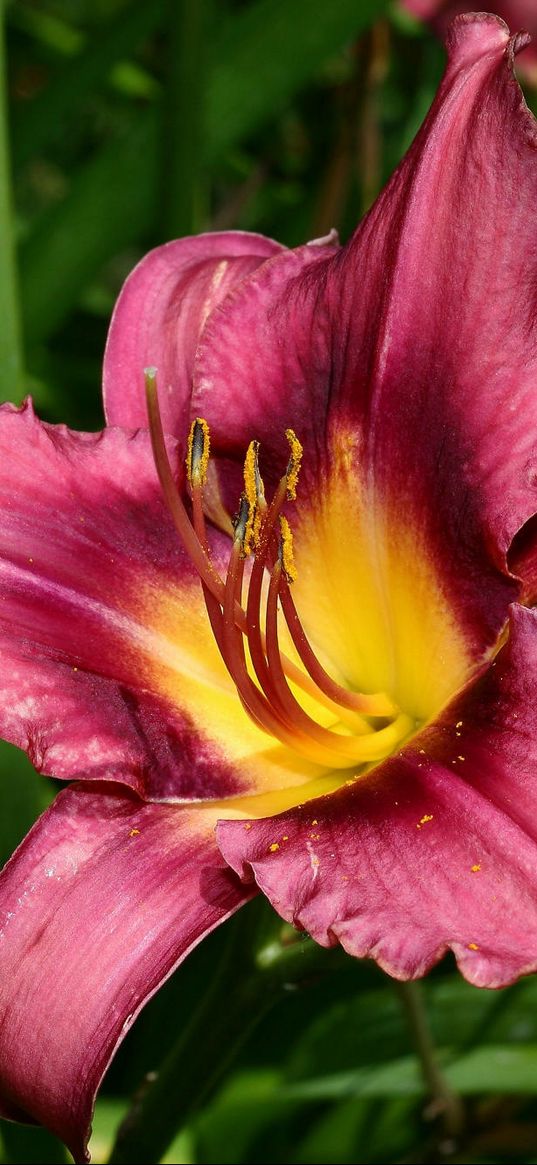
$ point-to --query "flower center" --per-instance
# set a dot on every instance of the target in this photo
(294, 700)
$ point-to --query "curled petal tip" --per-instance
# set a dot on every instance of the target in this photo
(519, 41)
(473, 34)
(329, 240)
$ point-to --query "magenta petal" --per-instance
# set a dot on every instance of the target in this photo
(93, 682)
(435, 849)
(159, 316)
(417, 338)
(263, 362)
(99, 904)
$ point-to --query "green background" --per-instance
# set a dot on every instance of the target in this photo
(126, 124)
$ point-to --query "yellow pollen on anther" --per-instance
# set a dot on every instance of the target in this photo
(197, 458)
(293, 467)
(473, 947)
(255, 492)
(274, 847)
(253, 482)
(286, 550)
(476, 868)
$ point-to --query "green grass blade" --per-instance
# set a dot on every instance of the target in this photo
(11, 357)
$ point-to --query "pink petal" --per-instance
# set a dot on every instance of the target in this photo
(434, 849)
(100, 903)
(257, 373)
(413, 347)
(160, 314)
(109, 669)
(523, 560)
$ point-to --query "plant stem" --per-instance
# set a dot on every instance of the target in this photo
(11, 357)
(445, 1103)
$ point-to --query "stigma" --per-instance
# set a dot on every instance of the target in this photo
(248, 605)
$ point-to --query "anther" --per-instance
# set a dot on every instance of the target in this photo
(285, 550)
(293, 467)
(253, 482)
(255, 492)
(242, 524)
(197, 458)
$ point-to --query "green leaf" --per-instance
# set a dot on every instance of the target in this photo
(358, 1131)
(28, 1145)
(267, 53)
(499, 1068)
(106, 1118)
(371, 1028)
(109, 204)
(38, 123)
(243, 986)
(23, 796)
(113, 200)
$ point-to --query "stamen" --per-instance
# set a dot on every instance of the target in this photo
(177, 510)
(256, 639)
(213, 608)
(257, 706)
(253, 607)
(194, 544)
(273, 707)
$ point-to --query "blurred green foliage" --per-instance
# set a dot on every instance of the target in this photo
(131, 122)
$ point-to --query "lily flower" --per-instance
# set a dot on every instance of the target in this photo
(331, 701)
(516, 13)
